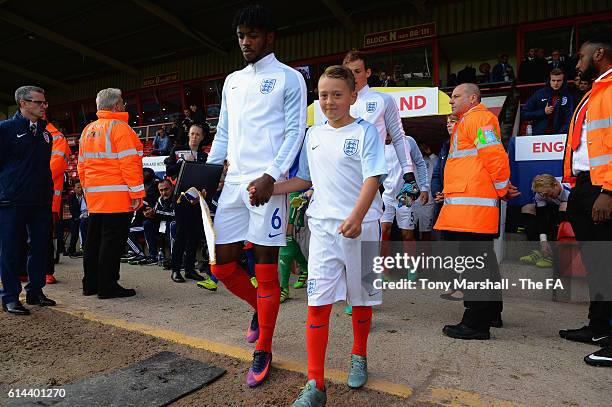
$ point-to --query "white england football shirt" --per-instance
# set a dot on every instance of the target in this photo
(337, 161)
(380, 109)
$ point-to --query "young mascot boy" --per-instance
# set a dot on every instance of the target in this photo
(345, 155)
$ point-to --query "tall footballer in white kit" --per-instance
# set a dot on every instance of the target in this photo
(260, 132)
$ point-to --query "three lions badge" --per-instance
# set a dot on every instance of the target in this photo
(267, 86)
(351, 146)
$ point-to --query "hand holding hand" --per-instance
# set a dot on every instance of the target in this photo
(261, 189)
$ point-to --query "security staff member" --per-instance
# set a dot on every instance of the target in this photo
(588, 157)
(110, 170)
(59, 161)
(476, 176)
(26, 190)
(189, 228)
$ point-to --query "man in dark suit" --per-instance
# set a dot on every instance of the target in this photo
(26, 191)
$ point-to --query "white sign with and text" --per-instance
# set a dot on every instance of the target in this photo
(411, 103)
(539, 148)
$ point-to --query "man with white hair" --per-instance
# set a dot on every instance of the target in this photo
(110, 170)
(26, 191)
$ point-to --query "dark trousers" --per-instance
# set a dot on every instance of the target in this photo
(189, 232)
(151, 231)
(78, 227)
(596, 250)
(481, 306)
(59, 235)
(106, 236)
(14, 223)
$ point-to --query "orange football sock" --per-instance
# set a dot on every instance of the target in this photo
(237, 281)
(317, 332)
(268, 302)
(362, 319)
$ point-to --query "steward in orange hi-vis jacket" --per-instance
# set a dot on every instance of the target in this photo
(476, 176)
(588, 160)
(110, 169)
(110, 163)
(59, 160)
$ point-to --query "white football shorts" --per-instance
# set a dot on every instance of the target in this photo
(402, 215)
(340, 268)
(236, 220)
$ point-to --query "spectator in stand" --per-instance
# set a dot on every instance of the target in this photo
(543, 221)
(534, 68)
(161, 143)
(556, 62)
(80, 218)
(189, 228)
(503, 71)
(581, 87)
(386, 80)
(197, 115)
(485, 70)
(467, 75)
(173, 132)
(550, 109)
(452, 80)
(160, 219)
(137, 225)
(186, 123)
(527, 68)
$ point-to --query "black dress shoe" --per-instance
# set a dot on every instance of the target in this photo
(15, 308)
(193, 276)
(39, 299)
(118, 292)
(586, 335)
(462, 331)
(176, 277)
(88, 292)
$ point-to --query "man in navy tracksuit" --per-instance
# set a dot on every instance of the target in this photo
(550, 109)
(26, 190)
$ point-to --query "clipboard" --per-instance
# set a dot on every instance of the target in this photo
(200, 176)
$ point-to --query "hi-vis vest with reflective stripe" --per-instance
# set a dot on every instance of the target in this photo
(59, 160)
(476, 175)
(110, 164)
(599, 134)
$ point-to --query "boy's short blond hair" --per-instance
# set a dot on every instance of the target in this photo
(543, 183)
(340, 72)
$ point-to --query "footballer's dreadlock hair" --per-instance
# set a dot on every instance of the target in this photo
(254, 16)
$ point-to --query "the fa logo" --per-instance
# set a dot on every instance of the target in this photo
(370, 107)
(46, 134)
(350, 146)
(311, 287)
(267, 85)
